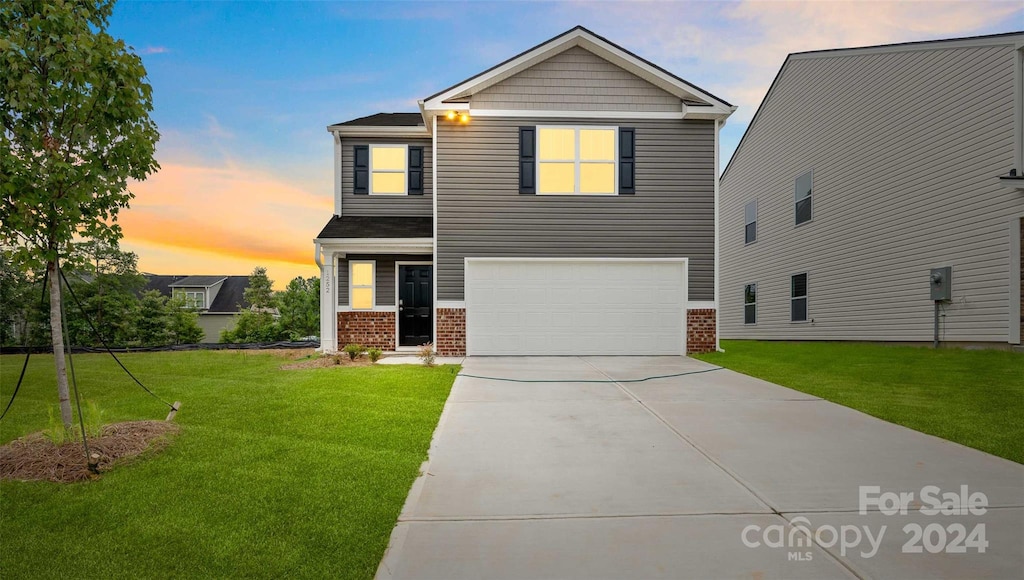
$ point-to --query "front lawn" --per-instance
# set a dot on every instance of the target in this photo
(276, 473)
(975, 398)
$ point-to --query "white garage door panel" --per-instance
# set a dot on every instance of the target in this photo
(575, 307)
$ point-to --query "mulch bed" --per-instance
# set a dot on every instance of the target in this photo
(36, 458)
(319, 362)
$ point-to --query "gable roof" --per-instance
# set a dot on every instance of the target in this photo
(579, 36)
(161, 284)
(942, 43)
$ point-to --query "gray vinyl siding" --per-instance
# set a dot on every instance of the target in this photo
(575, 80)
(386, 205)
(482, 214)
(384, 276)
(905, 147)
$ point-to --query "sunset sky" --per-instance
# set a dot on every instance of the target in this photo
(243, 92)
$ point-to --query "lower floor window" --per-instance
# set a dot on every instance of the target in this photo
(750, 304)
(798, 298)
(360, 285)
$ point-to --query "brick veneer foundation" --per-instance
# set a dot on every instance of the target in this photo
(370, 329)
(451, 332)
(700, 330)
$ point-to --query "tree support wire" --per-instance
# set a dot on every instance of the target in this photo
(28, 353)
(99, 337)
(93, 466)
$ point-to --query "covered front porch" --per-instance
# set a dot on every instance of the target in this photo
(377, 282)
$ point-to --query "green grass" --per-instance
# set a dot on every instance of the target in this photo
(975, 398)
(275, 474)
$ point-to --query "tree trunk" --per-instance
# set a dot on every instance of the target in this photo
(57, 337)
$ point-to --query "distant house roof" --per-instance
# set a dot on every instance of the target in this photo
(229, 299)
(386, 120)
(378, 227)
(231, 296)
(197, 281)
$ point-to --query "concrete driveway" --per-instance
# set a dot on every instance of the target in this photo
(711, 474)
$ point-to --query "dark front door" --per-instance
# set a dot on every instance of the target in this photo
(415, 292)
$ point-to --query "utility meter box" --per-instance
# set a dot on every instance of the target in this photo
(942, 283)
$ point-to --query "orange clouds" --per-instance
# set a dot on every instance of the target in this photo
(209, 214)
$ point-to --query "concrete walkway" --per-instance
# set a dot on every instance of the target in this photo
(695, 476)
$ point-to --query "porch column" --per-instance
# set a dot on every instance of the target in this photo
(328, 305)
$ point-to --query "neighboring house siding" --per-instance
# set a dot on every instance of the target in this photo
(481, 212)
(905, 148)
(213, 324)
(384, 275)
(385, 205)
(575, 80)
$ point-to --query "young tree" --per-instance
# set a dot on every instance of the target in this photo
(183, 323)
(74, 105)
(258, 323)
(260, 292)
(153, 321)
(300, 307)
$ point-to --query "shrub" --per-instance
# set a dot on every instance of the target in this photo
(427, 354)
(374, 354)
(354, 350)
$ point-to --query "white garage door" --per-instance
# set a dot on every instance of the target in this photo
(533, 306)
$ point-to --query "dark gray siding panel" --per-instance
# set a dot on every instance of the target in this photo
(385, 275)
(388, 205)
(906, 148)
(481, 212)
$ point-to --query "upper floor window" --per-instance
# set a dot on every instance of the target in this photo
(750, 222)
(192, 298)
(804, 185)
(576, 160)
(387, 169)
(798, 298)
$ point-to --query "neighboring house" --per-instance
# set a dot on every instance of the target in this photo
(562, 202)
(217, 298)
(864, 169)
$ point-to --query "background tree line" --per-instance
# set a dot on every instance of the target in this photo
(107, 282)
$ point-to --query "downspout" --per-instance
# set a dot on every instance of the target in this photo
(718, 313)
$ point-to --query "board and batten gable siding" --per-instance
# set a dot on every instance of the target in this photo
(905, 149)
(384, 275)
(385, 205)
(480, 212)
(575, 80)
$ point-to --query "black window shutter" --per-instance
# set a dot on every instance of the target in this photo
(415, 171)
(527, 160)
(361, 169)
(627, 160)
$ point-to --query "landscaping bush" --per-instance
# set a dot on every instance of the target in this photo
(354, 350)
(374, 354)
(427, 354)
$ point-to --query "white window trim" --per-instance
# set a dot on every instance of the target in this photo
(754, 304)
(404, 172)
(810, 197)
(577, 162)
(372, 286)
(188, 295)
(805, 297)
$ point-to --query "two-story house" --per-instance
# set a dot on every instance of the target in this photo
(863, 170)
(217, 299)
(563, 202)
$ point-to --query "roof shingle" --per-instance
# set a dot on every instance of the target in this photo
(378, 227)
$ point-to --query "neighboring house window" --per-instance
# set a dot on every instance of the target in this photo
(750, 222)
(750, 304)
(798, 298)
(195, 299)
(387, 169)
(576, 160)
(803, 197)
(360, 286)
